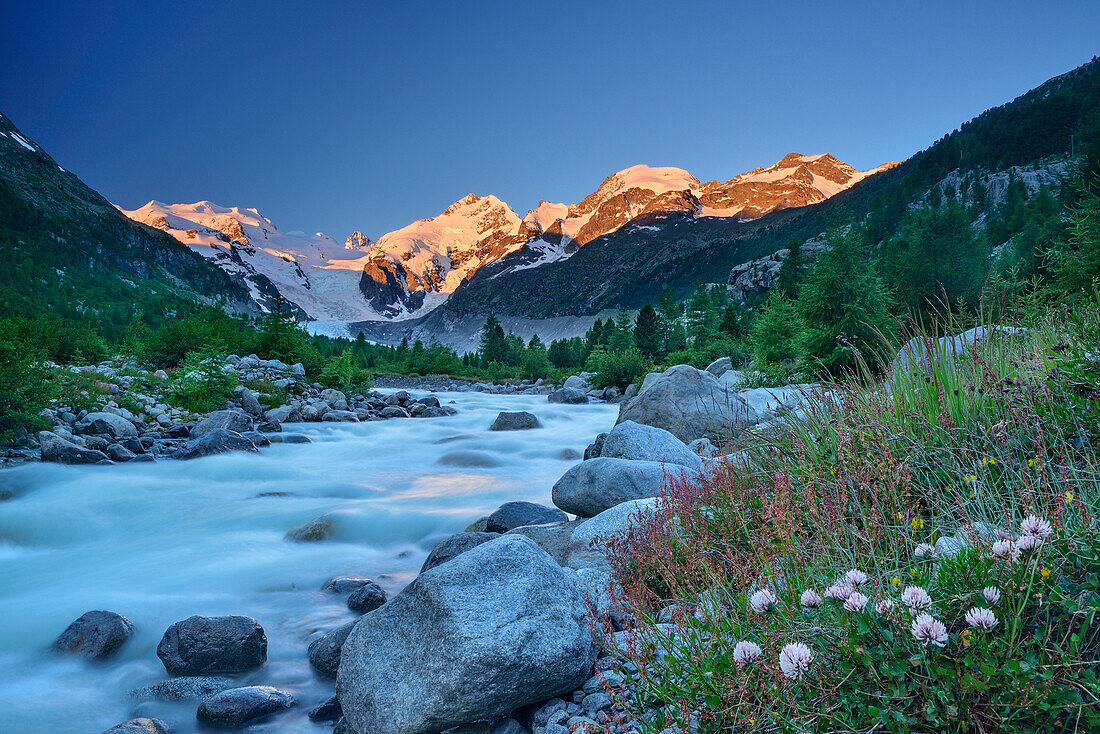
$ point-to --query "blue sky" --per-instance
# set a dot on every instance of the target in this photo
(334, 116)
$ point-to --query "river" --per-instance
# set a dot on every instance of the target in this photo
(161, 542)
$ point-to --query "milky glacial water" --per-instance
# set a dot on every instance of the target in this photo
(160, 542)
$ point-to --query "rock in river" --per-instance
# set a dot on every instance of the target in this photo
(239, 706)
(366, 598)
(204, 645)
(140, 726)
(630, 440)
(499, 627)
(596, 485)
(514, 514)
(518, 421)
(95, 635)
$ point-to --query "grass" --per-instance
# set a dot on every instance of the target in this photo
(954, 452)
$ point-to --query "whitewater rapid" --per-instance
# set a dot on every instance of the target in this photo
(160, 542)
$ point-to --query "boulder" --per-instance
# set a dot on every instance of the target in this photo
(324, 652)
(596, 485)
(767, 401)
(690, 404)
(110, 424)
(916, 352)
(500, 627)
(335, 399)
(239, 706)
(514, 514)
(568, 396)
(340, 416)
(140, 726)
(393, 411)
(62, 451)
(367, 598)
(345, 584)
(554, 538)
(230, 420)
(251, 404)
(118, 452)
(519, 421)
(327, 710)
(630, 440)
(576, 382)
(185, 688)
(205, 645)
(283, 414)
(313, 531)
(215, 441)
(720, 366)
(595, 448)
(704, 448)
(615, 521)
(95, 636)
(732, 378)
(454, 545)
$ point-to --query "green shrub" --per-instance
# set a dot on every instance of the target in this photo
(25, 384)
(202, 385)
(617, 368)
(776, 331)
(343, 374)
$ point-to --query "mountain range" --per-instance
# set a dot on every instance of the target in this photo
(407, 273)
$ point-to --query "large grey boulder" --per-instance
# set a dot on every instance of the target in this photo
(230, 420)
(216, 441)
(552, 537)
(596, 485)
(454, 545)
(690, 404)
(324, 652)
(366, 598)
(916, 352)
(518, 421)
(515, 514)
(203, 645)
(62, 451)
(720, 366)
(239, 706)
(184, 688)
(630, 440)
(95, 636)
(767, 401)
(568, 396)
(113, 425)
(499, 627)
(576, 382)
(614, 522)
(251, 404)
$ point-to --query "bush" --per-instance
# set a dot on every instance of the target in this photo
(202, 384)
(776, 332)
(343, 374)
(617, 368)
(25, 386)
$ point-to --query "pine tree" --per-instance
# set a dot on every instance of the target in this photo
(790, 270)
(622, 335)
(647, 332)
(669, 313)
(279, 334)
(776, 330)
(844, 305)
(730, 325)
(493, 346)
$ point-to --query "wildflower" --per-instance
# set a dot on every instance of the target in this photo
(981, 618)
(916, 523)
(924, 551)
(1002, 534)
(916, 598)
(969, 478)
(811, 599)
(1005, 549)
(929, 630)
(795, 660)
(745, 652)
(992, 594)
(1068, 498)
(1045, 573)
(884, 606)
(840, 592)
(895, 581)
(762, 601)
(855, 577)
(901, 517)
(1037, 526)
(856, 602)
(1028, 543)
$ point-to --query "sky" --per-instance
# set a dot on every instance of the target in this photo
(342, 116)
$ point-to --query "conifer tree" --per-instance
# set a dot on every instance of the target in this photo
(790, 270)
(647, 332)
(493, 346)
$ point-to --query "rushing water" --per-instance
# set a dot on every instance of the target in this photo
(160, 542)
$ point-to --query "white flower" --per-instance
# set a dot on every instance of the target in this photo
(1006, 550)
(745, 652)
(924, 551)
(855, 577)
(981, 618)
(762, 601)
(1028, 543)
(811, 599)
(916, 598)
(929, 630)
(1001, 533)
(795, 660)
(992, 594)
(1033, 525)
(839, 592)
(856, 602)
(883, 606)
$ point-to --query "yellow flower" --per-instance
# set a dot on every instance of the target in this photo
(970, 478)
(1030, 463)
(895, 581)
(901, 517)
(1045, 573)
(1069, 498)
(916, 523)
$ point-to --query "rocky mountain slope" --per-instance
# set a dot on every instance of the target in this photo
(64, 240)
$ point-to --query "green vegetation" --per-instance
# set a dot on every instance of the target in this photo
(926, 559)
